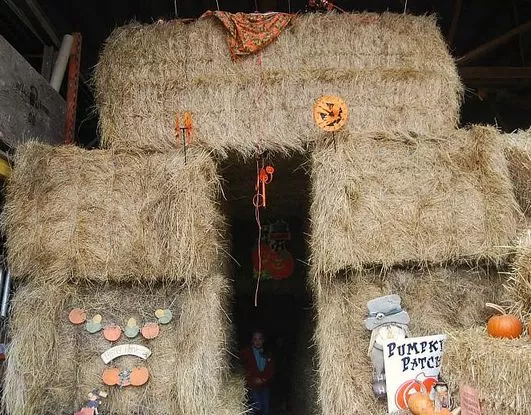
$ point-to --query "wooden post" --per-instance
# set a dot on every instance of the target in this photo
(73, 82)
(455, 21)
(47, 62)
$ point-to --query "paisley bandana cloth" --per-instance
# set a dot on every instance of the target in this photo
(248, 33)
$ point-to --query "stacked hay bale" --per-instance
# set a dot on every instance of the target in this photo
(120, 235)
(389, 201)
(399, 187)
(518, 153)
(393, 71)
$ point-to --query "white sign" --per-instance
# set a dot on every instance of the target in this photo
(125, 349)
(408, 361)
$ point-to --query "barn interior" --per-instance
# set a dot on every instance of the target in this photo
(491, 44)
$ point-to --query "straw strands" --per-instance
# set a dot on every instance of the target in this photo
(388, 199)
(518, 153)
(393, 71)
(437, 300)
(519, 285)
(78, 214)
(53, 364)
(500, 369)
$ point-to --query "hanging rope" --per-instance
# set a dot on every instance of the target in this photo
(217, 5)
(289, 6)
(175, 8)
(405, 7)
(259, 157)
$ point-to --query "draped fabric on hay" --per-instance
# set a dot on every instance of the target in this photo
(393, 71)
(437, 300)
(98, 215)
(389, 199)
(53, 364)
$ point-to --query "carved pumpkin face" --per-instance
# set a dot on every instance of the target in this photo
(411, 386)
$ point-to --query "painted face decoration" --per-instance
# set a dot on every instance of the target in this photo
(112, 332)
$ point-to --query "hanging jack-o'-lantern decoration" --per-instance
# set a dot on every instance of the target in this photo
(273, 259)
(330, 113)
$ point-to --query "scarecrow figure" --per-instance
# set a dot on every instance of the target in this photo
(93, 403)
(387, 321)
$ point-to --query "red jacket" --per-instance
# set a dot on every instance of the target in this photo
(252, 372)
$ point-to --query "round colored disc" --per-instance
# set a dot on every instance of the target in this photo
(111, 376)
(77, 316)
(139, 376)
(150, 331)
(112, 332)
(163, 316)
(330, 113)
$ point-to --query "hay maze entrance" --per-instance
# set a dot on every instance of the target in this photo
(284, 305)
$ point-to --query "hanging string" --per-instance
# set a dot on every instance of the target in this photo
(259, 156)
(405, 7)
(289, 6)
(255, 6)
(175, 8)
(217, 5)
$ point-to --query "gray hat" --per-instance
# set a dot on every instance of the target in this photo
(385, 310)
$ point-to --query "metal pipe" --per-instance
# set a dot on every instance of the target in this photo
(6, 291)
(61, 62)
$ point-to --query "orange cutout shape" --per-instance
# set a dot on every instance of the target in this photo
(150, 331)
(77, 316)
(139, 376)
(330, 113)
(112, 332)
(111, 377)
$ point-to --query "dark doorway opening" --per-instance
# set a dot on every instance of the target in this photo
(283, 309)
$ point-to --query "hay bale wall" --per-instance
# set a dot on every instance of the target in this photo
(53, 364)
(389, 199)
(519, 285)
(518, 153)
(73, 213)
(500, 369)
(393, 71)
(437, 300)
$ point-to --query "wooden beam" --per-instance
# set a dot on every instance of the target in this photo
(455, 21)
(30, 109)
(493, 44)
(482, 75)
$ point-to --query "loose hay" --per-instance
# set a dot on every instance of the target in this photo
(393, 71)
(73, 213)
(388, 199)
(437, 301)
(518, 153)
(519, 284)
(500, 370)
(53, 364)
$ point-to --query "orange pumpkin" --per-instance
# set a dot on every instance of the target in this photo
(150, 331)
(111, 376)
(77, 316)
(112, 332)
(419, 403)
(505, 325)
(139, 376)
